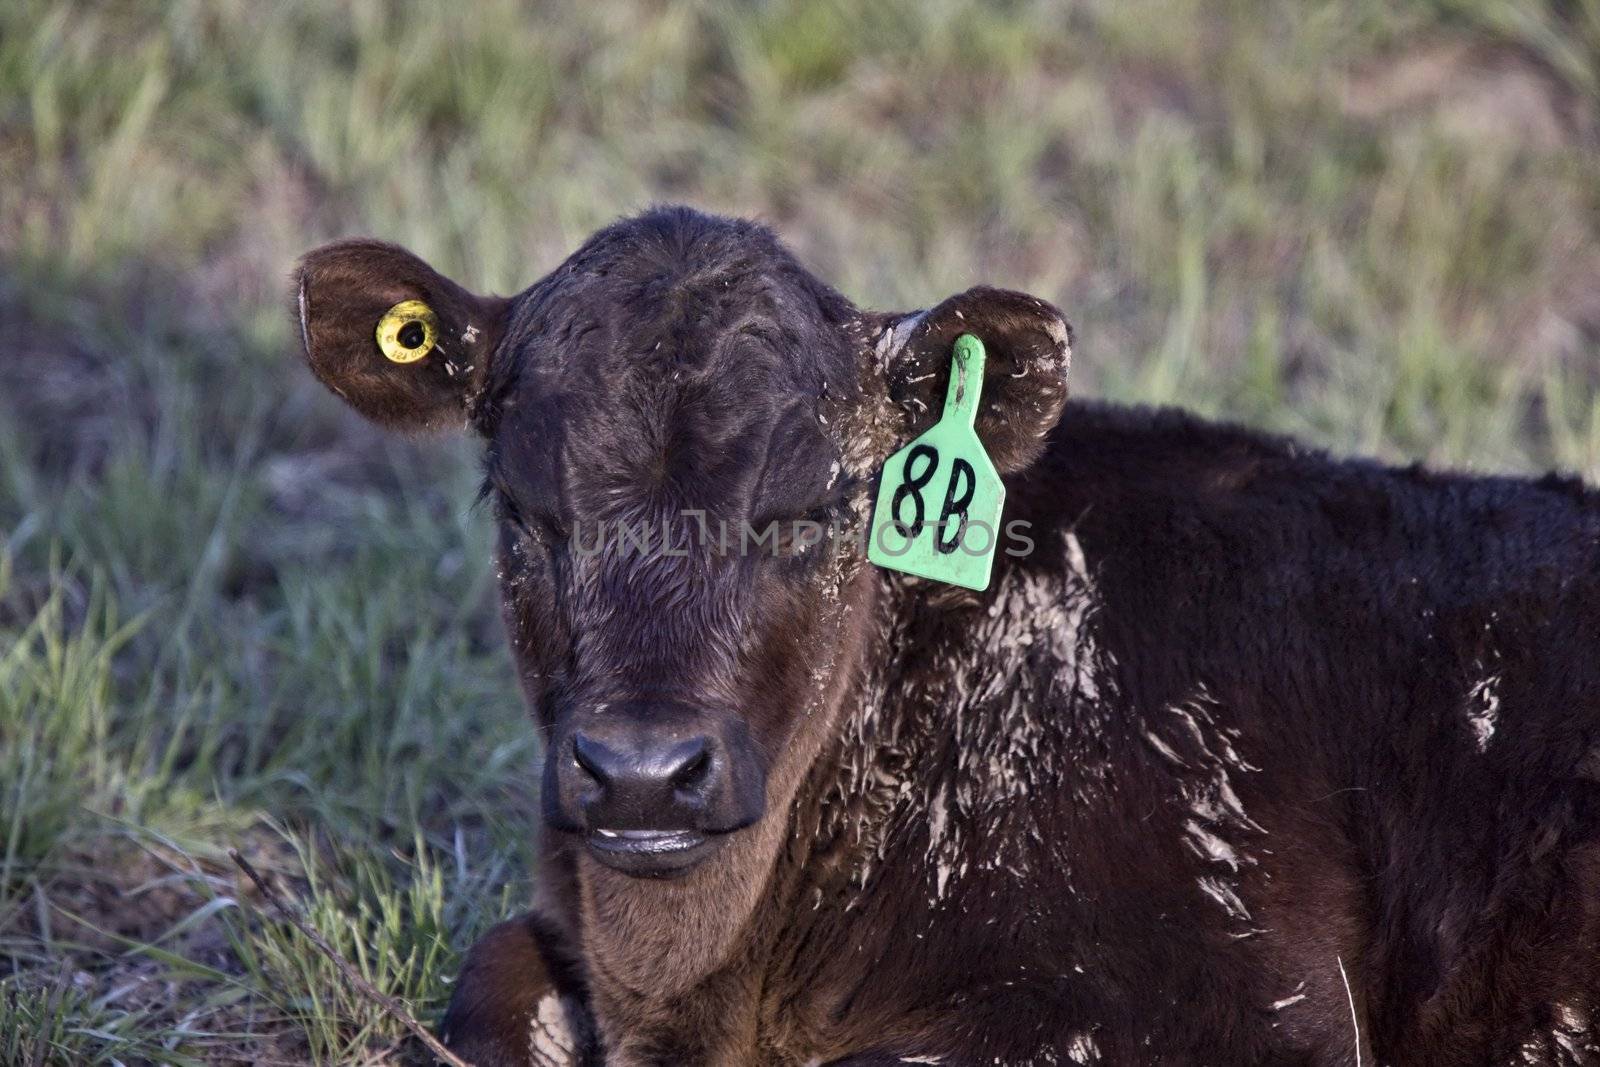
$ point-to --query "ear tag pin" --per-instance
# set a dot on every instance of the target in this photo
(939, 500)
(408, 331)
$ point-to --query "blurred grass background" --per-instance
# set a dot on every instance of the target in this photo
(231, 615)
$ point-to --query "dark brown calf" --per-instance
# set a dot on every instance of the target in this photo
(1246, 756)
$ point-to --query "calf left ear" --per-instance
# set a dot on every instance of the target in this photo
(398, 341)
(1029, 348)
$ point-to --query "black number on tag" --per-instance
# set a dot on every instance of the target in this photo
(956, 503)
(911, 484)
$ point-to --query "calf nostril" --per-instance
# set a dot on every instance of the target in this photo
(694, 767)
(640, 777)
(592, 758)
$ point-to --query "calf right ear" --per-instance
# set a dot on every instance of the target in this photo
(398, 341)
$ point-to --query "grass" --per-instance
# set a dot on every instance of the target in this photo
(231, 615)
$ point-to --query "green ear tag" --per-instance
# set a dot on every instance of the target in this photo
(938, 512)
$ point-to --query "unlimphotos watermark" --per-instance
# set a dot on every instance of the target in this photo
(693, 531)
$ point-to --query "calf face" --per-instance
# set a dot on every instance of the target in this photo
(682, 427)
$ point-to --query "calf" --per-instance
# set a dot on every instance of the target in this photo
(1246, 755)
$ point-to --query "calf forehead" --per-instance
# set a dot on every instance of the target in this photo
(626, 438)
(692, 377)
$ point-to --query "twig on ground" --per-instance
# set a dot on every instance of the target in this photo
(358, 983)
(1354, 1022)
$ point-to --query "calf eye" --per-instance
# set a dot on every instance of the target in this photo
(546, 529)
(807, 536)
(521, 512)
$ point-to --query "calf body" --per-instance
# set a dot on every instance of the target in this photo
(1248, 756)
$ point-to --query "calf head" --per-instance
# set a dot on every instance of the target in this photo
(682, 426)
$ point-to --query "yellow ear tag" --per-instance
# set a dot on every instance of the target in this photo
(407, 331)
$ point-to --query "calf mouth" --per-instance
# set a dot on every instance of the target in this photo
(651, 853)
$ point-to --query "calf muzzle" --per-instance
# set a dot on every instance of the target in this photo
(654, 791)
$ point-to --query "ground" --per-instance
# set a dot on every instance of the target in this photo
(233, 616)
